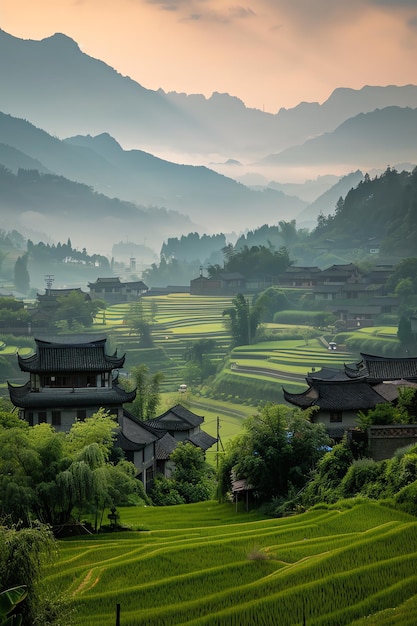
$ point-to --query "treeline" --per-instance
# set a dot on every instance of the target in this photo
(380, 213)
(64, 252)
(191, 247)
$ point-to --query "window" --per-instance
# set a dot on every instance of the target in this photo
(56, 418)
(335, 416)
(81, 414)
(30, 418)
(42, 417)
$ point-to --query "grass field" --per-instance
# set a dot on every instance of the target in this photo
(208, 564)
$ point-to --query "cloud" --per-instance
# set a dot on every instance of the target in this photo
(207, 10)
(319, 15)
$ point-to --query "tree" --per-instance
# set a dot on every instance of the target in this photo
(23, 554)
(405, 334)
(276, 453)
(147, 392)
(196, 355)
(405, 270)
(21, 274)
(138, 321)
(270, 302)
(403, 412)
(75, 309)
(257, 260)
(191, 480)
(242, 320)
(55, 477)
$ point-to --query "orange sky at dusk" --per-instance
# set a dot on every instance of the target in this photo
(269, 53)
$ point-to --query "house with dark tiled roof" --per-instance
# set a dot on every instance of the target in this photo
(378, 369)
(339, 395)
(70, 377)
(113, 291)
(338, 402)
(49, 299)
(227, 283)
(149, 444)
(183, 425)
(299, 276)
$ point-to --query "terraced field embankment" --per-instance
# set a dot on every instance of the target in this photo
(207, 565)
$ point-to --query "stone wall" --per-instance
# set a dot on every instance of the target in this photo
(385, 440)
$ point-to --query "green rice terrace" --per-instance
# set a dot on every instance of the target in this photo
(244, 378)
(209, 564)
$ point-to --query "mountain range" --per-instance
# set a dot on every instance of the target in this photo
(69, 116)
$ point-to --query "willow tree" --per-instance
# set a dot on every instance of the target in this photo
(57, 477)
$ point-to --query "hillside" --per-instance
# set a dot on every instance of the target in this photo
(378, 213)
(52, 207)
(210, 200)
(207, 564)
(367, 140)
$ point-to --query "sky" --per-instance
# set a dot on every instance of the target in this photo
(268, 53)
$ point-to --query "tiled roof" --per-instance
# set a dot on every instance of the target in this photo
(165, 446)
(202, 440)
(383, 368)
(69, 356)
(126, 444)
(177, 418)
(350, 395)
(106, 281)
(24, 398)
(136, 430)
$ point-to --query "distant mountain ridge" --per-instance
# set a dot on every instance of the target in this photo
(207, 198)
(388, 134)
(66, 92)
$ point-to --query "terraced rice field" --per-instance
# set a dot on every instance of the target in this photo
(180, 319)
(280, 358)
(206, 564)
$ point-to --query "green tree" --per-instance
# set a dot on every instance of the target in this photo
(405, 334)
(192, 479)
(403, 412)
(192, 475)
(21, 274)
(139, 321)
(330, 470)
(54, 476)
(277, 451)
(270, 302)
(23, 554)
(242, 320)
(405, 270)
(148, 395)
(75, 309)
(197, 354)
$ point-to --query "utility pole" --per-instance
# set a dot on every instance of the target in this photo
(49, 279)
(219, 441)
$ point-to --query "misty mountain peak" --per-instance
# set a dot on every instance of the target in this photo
(101, 142)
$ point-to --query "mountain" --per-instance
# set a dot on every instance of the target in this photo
(326, 203)
(213, 201)
(50, 207)
(66, 92)
(378, 213)
(367, 140)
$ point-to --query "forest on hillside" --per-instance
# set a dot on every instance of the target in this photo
(380, 213)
